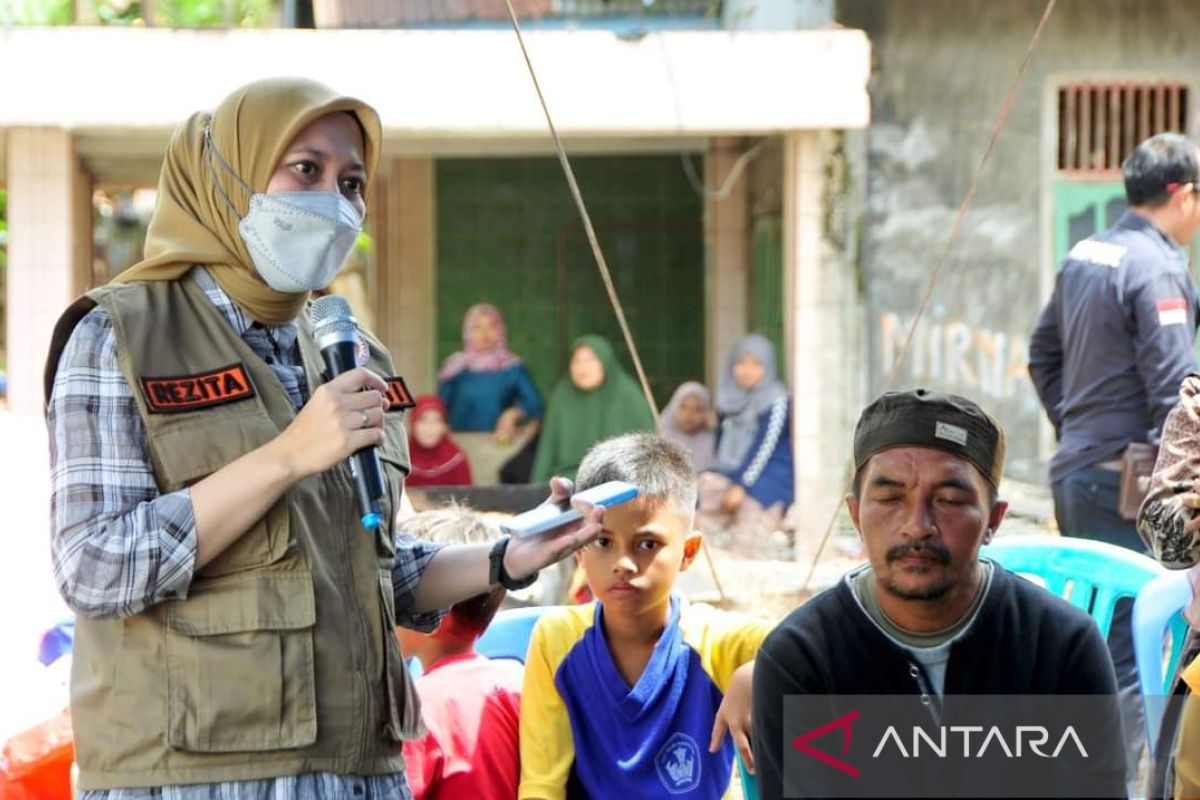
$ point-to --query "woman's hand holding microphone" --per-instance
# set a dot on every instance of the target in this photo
(342, 417)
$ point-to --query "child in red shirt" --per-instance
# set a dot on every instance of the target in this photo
(470, 704)
(434, 457)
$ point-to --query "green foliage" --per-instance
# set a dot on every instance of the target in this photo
(364, 245)
(117, 12)
(168, 13)
(35, 12)
(210, 13)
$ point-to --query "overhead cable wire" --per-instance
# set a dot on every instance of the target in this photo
(934, 274)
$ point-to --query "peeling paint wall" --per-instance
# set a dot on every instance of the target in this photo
(941, 70)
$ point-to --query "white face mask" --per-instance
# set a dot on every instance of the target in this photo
(298, 240)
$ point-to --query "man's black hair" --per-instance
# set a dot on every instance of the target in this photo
(1160, 160)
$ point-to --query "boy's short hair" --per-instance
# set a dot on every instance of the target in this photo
(661, 469)
(457, 524)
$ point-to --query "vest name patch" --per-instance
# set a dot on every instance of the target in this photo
(398, 394)
(194, 392)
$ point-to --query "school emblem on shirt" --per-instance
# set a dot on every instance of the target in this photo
(678, 764)
(173, 395)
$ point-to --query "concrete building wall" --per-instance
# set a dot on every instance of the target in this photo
(941, 69)
(49, 250)
(405, 266)
(823, 340)
(776, 14)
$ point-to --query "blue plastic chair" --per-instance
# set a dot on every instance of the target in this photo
(1092, 576)
(57, 642)
(749, 784)
(1157, 613)
(508, 635)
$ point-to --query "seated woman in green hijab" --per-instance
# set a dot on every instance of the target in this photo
(595, 401)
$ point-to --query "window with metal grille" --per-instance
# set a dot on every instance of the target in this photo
(1099, 124)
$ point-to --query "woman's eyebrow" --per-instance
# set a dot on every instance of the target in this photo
(321, 155)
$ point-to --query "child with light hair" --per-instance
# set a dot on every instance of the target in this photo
(470, 703)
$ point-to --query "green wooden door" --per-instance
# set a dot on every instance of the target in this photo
(1084, 208)
(508, 233)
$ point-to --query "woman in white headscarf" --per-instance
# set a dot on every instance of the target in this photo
(752, 482)
(688, 421)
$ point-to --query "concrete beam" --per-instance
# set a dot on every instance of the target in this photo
(454, 83)
(404, 216)
(727, 250)
(820, 314)
(134, 157)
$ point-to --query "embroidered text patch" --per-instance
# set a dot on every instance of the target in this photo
(194, 392)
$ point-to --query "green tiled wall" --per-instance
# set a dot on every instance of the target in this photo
(766, 283)
(508, 233)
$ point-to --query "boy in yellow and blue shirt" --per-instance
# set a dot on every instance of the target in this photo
(631, 696)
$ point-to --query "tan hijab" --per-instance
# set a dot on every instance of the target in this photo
(193, 223)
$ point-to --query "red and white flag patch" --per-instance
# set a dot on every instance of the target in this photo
(1172, 311)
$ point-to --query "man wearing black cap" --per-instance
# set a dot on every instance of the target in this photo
(926, 617)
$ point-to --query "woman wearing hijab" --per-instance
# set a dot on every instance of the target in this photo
(687, 421)
(485, 386)
(436, 459)
(752, 484)
(234, 618)
(596, 400)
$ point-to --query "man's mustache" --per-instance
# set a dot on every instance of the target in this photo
(934, 550)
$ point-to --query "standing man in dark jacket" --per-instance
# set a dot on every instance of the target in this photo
(927, 618)
(1108, 356)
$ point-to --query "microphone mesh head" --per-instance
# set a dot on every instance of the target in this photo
(331, 314)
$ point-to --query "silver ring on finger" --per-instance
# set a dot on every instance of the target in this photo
(366, 419)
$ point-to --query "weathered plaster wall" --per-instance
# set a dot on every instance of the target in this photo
(941, 70)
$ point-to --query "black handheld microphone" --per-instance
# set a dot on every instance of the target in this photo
(335, 331)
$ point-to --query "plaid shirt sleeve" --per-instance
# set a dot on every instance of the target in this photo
(412, 557)
(118, 545)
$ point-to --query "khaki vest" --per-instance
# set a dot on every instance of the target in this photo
(282, 659)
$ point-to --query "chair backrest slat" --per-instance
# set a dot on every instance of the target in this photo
(1090, 575)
